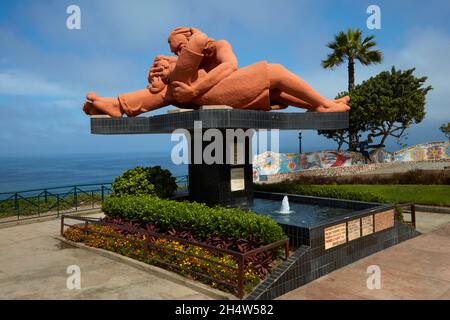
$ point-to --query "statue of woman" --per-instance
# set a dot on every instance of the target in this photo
(206, 73)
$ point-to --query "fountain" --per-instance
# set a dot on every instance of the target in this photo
(285, 208)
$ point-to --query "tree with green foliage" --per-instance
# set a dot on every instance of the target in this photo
(351, 47)
(145, 181)
(445, 128)
(384, 105)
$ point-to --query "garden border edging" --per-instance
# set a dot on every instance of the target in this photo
(432, 209)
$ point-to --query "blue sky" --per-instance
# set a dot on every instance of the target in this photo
(46, 69)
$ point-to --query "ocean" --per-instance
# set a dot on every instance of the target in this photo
(39, 172)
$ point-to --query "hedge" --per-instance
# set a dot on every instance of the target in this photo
(145, 181)
(416, 176)
(203, 221)
(326, 191)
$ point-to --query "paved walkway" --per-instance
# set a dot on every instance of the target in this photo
(415, 269)
(33, 266)
(426, 222)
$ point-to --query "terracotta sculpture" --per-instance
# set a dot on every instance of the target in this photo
(206, 73)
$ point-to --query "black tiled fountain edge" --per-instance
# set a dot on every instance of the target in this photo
(273, 277)
(303, 266)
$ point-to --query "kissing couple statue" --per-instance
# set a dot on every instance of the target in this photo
(205, 72)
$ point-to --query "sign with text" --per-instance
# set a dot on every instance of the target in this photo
(354, 229)
(367, 225)
(335, 235)
(237, 179)
(384, 220)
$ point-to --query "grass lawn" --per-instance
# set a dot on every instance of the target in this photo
(438, 195)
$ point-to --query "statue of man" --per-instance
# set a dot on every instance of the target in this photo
(205, 73)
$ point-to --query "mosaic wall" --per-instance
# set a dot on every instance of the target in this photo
(270, 163)
(423, 152)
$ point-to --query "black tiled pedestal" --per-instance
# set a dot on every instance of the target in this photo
(228, 183)
(220, 183)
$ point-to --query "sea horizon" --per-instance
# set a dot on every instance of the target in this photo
(29, 172)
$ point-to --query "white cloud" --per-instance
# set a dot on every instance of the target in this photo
(328, 83)
(109, 53)
(22, 83)
(427, 50)
(424, 49)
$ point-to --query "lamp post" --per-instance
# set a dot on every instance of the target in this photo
(299, 142)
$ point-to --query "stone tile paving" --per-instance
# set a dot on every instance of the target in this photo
(415, 269)
(33, 266)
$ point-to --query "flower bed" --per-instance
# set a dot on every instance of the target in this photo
(235, 272)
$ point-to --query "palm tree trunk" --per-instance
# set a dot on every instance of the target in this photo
(352, 135)
(351, 74)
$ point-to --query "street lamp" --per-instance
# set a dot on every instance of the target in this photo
(299, 142)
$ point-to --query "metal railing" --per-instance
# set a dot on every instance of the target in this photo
(29, 204)
(148, 245)
(37, 203)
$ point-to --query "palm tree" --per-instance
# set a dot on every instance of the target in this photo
(351, 46)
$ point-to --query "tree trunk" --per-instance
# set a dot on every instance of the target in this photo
(353, 141)
(385, 135)
(352, 135)
(340, 142)
(351, 74)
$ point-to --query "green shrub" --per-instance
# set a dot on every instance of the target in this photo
(425, 177)
(145, 181)
(326, 191)
(203, 221)
(399, 214)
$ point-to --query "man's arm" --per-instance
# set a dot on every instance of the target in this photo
(189, 59)
(157, 70)
(227, 64)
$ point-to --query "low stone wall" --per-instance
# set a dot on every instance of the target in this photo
(340, 171)
(332, 162)
(324, 172)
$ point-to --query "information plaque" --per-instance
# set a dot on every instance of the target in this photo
(335, 235)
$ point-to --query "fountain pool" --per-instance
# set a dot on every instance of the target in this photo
(325, 234)
(301, 214)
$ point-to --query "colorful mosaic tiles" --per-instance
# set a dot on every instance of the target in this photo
(270, 163)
